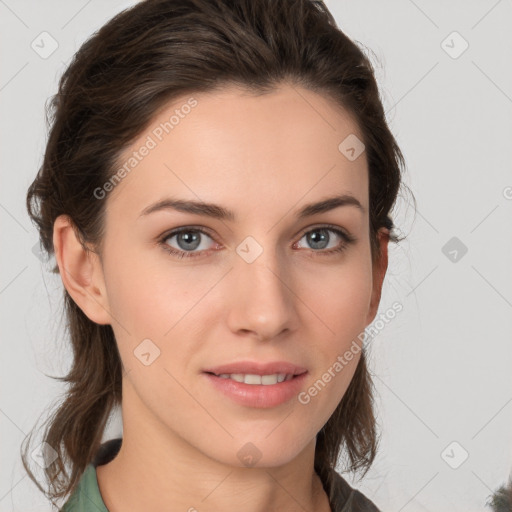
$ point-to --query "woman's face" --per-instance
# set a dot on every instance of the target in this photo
(263, 285)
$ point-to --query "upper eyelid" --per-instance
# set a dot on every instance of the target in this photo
(177, 231)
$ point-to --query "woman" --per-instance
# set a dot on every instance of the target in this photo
(217, 189)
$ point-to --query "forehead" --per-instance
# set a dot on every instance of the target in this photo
(243, 150)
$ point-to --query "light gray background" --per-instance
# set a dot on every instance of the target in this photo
(443, 364)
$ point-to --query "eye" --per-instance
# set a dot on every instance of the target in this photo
(190, 243)
(319, 238)
(188, 239)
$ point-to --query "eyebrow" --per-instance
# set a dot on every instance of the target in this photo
(221, 213)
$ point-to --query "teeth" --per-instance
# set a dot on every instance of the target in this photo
(266, 380)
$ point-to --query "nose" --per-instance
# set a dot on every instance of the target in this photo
(263, 302)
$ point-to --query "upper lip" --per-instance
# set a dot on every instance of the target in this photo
(257, 368)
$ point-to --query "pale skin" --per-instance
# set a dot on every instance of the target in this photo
(264, 158)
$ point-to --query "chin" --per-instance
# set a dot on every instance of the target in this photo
(265, 452)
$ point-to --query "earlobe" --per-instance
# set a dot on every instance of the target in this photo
(80, 271)
(379, 272)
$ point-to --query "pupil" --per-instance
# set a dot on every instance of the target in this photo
(323, 237)
(189, 237)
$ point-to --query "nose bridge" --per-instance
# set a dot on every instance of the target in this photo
(262, 300)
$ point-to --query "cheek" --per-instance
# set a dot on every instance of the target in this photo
(340, 298)
(150, 295)
(340, 303)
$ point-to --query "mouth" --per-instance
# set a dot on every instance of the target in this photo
(257, 372)
(255, 379)
(255, 390)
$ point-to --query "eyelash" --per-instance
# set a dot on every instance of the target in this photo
(346, 241)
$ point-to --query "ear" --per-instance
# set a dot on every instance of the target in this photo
(379, 272)
(81, 271)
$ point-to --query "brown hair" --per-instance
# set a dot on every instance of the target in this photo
(118, 80)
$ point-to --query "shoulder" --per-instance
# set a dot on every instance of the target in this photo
(345, 498)
(86, 493)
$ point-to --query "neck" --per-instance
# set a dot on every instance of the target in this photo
(156, 469)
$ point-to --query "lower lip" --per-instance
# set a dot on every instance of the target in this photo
(258, 395)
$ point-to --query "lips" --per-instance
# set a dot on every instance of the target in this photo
(257, 368)
(257, 394)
